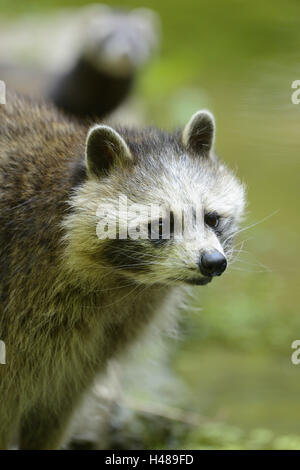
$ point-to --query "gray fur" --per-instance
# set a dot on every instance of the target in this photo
(67, 306)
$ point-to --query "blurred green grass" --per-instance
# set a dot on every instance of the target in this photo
(238, 59)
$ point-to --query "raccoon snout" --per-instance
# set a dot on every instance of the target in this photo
(212, 263)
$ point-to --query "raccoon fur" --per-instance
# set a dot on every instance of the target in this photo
(91, 63)
(115, 45)
(69, 301)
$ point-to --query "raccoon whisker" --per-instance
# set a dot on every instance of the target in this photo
(239, 249)
(247, 252)
(234, 254)
(240, 245)
(235, 257)
(242, 242)
(266, 268)
(257, 223)
(235, 233)
(118, 299)
(144, 264)
(153, 263)
(148, 260)
(151, 256)
(248, 270)
(125, 296)
(128, 284)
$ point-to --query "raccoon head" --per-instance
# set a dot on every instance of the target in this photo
(119, 42)
(155, 207)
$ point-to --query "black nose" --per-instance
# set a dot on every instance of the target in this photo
(212, 263)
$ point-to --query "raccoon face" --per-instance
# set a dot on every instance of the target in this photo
(120, 42)
(157, 208)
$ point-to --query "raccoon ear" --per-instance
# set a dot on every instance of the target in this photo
(105, 148)
(198, 134)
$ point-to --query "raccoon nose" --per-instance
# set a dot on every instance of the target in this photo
(212, 263)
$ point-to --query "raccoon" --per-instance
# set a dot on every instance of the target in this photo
(92, 61)
(71, 301)
(115, 45)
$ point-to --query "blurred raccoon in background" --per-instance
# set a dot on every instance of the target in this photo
(85, 61)
(115, 46)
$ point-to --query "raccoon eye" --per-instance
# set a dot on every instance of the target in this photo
(212, 219)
